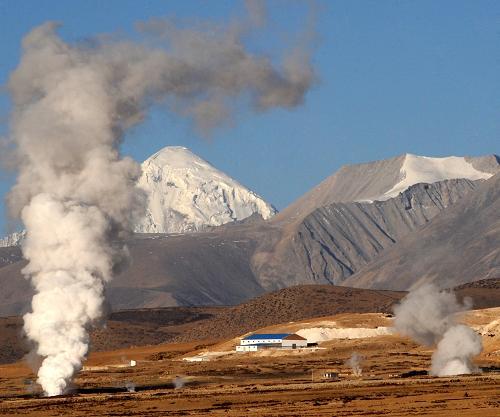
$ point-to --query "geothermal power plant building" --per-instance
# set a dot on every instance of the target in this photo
(256, 342)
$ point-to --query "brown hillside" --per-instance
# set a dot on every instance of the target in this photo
(187, 324)
(182, 324)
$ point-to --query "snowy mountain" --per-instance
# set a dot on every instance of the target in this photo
(186, 194)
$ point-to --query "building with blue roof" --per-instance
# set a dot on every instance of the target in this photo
(267, 336)
(259, 341)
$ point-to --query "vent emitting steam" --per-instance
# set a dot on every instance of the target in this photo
(130, 387)
(75, 194)
(179, 382)
(428, 316)
(354, 362)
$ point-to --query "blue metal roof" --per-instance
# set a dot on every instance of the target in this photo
(267, 336)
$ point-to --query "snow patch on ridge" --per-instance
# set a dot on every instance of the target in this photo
(423, 169)
(186, 194)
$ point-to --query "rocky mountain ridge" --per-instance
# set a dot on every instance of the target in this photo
(460, 245)
(324, 244)
(333, 242)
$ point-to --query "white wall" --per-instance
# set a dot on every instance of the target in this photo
(260, 341)
(297, 343)
(241, 348)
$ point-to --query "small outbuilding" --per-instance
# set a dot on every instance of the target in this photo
(258, 341)
(294, 341)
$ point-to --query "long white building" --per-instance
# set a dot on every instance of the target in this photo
(257, 341)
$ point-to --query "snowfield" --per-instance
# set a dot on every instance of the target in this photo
(423, 169)
(186, 194)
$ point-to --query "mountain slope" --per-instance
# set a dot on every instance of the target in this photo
(205, 268)
(460, 245)
(335, 241)
(344, 223)
(380, 180)
(187, 194)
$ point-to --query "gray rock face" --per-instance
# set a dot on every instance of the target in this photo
(488, 163)
(335, 241)
(340, 226)
(462, 244)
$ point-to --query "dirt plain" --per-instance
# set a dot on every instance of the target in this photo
(394, 380)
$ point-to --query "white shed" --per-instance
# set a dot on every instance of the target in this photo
(294, 341)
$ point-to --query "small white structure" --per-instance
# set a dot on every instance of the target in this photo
(256, 342)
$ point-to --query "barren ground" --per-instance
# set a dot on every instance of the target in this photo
(270, 384)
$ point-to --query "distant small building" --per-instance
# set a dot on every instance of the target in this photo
(330, 375)
(256, 342)
(318, 375)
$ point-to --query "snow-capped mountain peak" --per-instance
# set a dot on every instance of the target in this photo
(186, 193)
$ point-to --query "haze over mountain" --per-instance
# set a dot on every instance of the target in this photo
(330, 234)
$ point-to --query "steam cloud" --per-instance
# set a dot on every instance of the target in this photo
(75, 194)
(179, 382)
(130, 387)
(354, 362)
(428, 316)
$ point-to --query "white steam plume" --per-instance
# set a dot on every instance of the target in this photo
(130, 386)
(75, 194)
(354, 362)
(428, 315)
(179, 382)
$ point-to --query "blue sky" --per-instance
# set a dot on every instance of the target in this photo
(395, 76)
